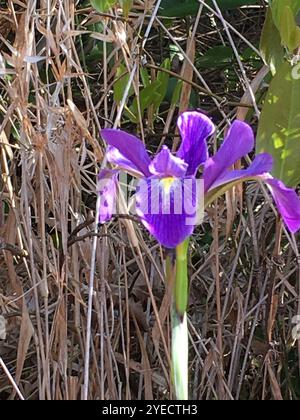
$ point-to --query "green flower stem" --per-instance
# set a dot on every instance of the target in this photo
(177, 279)
(180, 354)
(181, 284)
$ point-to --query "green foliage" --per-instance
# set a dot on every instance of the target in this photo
(91, 49)
(126, 6)
(218, 56)
(279, 125)
(173, 91)
(103, 5)
(250, 58)
(122, 78)
(181, 8)
(145, 76)
(285, 14)
(148, 96)
(223, 56)
(163, 80)
(270, 44)
(152, 94)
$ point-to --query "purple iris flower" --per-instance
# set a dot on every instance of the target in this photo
(166, 175)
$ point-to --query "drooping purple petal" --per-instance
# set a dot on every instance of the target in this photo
(286, 199)
(168, 208)
(287, 202)
(194, 128)
(262, 164)
(239, 142)
(114, 156)
(165, 164)
(130, 147)
(107, 191)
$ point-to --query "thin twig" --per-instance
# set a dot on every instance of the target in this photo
(11, 379)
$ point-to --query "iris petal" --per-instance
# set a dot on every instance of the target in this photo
(107, 190)
(166, 165)
(114, 156)
(239, 142)
(130, 147)
(286, 199)
(194, 128)
(261, 165)
(287, 202)
(167, 208)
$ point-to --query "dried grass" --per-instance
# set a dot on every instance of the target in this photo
(244, 292)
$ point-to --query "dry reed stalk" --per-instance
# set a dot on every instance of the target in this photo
(53, 104)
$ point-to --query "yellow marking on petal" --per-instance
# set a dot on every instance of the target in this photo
(167, 183)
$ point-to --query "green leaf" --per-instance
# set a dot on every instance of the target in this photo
(176, 92)
(285, 13)
(173, 91)
(215, 57)
(175, 52)
(270, 44)
(279, 125)
(181, 8)
(145, 76)
(103, 6)
(126, 6)
(163, 79)
(122, 78)
(251, 58)
(152, 94)
(148, 96)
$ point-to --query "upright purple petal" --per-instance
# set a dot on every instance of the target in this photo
(194, 128)
(262, 164)
(168, 208)
(165, 164)
(287, 202)
(114, 156)
(130, 147)
(239, 142)
(107, 191)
